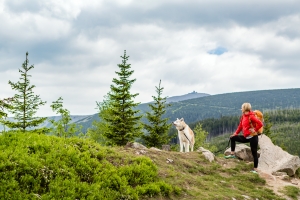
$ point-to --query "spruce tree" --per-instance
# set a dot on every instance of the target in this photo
(158, 127)
(25, 103)
(123, 122)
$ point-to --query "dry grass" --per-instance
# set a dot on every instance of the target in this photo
(200, 179)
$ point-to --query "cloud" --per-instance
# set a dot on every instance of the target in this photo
(211, 47)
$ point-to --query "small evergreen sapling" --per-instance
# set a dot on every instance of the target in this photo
(25, 103)
(158, 126)
(63, 127)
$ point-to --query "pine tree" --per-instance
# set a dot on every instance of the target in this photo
(158, 126)
(123, 122)
(25, 103)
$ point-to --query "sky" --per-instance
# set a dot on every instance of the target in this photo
(212, 47)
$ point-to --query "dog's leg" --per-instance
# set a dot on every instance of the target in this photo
(180, 143)
(184, 145)
(187, 147)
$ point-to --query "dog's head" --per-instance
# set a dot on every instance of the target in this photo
(179, 123)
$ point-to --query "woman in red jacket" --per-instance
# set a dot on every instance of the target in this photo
(249, 124)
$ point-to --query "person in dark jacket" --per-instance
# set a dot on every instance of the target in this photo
(249, 125)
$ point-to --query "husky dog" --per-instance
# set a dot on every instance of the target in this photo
(185, 135)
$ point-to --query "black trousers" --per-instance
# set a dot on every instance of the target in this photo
(253, 145)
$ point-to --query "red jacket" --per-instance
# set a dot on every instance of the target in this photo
(245, 124)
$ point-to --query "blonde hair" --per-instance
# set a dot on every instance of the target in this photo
(246, 106)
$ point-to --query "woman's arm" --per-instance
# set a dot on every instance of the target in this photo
(258, 123)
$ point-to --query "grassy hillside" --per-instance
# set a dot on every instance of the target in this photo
(47, 167)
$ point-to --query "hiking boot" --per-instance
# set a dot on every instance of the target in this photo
(229, 156)
(254, 171)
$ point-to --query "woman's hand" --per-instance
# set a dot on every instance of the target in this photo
(252, 130)
(232, 135)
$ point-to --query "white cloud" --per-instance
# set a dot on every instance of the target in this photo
(75, 47)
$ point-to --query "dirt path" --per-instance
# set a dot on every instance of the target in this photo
(276, 183)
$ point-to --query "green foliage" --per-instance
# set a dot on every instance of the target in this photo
(63, 127)
(25, 103)
(47, 167)
(201, 138)
(157, 127)
(291, 191)
(123, 123)
(267, 125)
(96, 132)
(5, 105)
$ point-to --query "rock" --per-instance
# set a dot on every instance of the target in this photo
(274, 159)
(166, 147)
(207, 154)
(135, 145)
(246, 197)
(243, 152)
(156, 149)
(279, 173)
(169, 160)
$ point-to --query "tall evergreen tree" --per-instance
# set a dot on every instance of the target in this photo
(25, 103)
(158, 126)
(123, 121)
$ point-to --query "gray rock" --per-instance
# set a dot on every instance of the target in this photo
(135, 145)
(274, 159)
(242, 151)
(207, 154)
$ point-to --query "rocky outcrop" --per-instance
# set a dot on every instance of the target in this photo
(243, 152)
(274, 159)
(207, 154)
(271, 157)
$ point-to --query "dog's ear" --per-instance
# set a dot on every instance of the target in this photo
(181, 119)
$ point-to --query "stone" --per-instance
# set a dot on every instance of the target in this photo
(155, 149)
(274, 159)
(243, 152)
(207, 154)
(166, 147)
(135, 145)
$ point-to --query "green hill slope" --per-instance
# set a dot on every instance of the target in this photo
(46, 167)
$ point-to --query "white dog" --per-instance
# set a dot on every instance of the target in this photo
(185, 134)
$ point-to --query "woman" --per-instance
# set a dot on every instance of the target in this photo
(249, 124)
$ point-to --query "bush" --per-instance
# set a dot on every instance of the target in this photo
(47, 167)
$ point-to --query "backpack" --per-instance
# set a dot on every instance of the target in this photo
(260, 116)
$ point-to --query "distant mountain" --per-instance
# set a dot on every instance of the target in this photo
(74, 119)
(215, 106)
(191, 95)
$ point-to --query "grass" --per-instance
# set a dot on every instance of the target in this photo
(47, 167)
(292, 192)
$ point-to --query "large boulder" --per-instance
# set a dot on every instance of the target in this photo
(207, 154)
(274, 159)
(242, 151)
